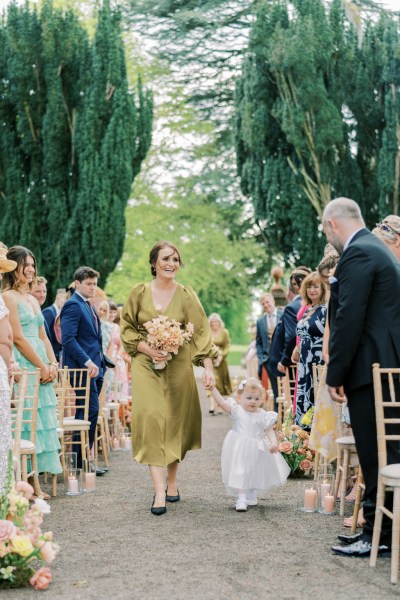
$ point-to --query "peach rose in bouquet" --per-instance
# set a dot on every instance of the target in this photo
(294, 446)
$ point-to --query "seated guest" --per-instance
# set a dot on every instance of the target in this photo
(50, 315)
(39, 290)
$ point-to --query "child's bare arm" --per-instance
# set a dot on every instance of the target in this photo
(272, 441)
(226, 407)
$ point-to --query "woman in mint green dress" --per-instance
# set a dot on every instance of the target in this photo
(33, 350)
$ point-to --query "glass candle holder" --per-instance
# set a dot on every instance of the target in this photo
(89, 476)
(73, 483)
(115, 444)
(126, 441)
(307, 496)
(326, 490)
(71, 460)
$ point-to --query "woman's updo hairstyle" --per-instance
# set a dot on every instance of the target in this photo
(154, 252)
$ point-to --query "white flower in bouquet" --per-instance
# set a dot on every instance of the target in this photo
(167, 336)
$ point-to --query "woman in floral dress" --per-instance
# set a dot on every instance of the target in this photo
(310, 330)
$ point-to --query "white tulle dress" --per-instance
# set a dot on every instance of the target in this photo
(247, 463)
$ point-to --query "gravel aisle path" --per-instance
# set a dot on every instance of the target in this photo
(112, 547)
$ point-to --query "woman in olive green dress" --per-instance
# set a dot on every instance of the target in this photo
(220, 337)
(166, 417)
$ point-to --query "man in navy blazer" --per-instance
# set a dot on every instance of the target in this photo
(50, 315)
(81, 340)
(365, 329)
(266, 325)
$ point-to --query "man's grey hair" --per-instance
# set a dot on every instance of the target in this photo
(342, 208)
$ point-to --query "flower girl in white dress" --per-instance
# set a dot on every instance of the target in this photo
(250, 459)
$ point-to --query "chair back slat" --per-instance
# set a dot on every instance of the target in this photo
(77, 392)
(385, 423)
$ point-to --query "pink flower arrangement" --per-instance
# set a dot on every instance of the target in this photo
(167, 336)
(23, 546)
(294, 446)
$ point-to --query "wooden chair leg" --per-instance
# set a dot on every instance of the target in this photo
(394, 564)
(380, 500)
(338, 471)
(317, 459)
(54, 485)
(104, 444)
(346, 456)
(36, 483)
(24, 467)
(359, 488)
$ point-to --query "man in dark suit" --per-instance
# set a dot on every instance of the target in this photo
(266, 325)
(284, 338)
(50, 315)
(82, 343)
(365, 329)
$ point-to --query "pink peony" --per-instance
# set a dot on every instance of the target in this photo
(286, 447)
(7, 530)
(41, 579)
(25, 488)
(48, 551)
(305, 465)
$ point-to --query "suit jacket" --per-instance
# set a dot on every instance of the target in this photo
(284, 338)
(81, 339)
(50, 315)
(365, 313)
(263, 343)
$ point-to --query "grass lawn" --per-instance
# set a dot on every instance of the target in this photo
(235, 356)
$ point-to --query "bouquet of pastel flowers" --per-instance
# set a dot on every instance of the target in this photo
(293, 445)
(24, 549)
(167, 336)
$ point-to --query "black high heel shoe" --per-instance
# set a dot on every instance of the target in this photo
(172, 498)
(157, 510)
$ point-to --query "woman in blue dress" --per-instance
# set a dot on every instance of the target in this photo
(33, 350)
(310, 330)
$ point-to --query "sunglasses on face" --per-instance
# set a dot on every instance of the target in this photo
(387, 227)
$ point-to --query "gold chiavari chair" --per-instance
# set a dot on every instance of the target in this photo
(17, 407)
(77, 385)
(102, 438)
(388, 430)
(287, 387)
(27, 435)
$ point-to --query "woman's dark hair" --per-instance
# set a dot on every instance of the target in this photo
(154, 252)
(113, 306)
(19, 254)
(297, 275)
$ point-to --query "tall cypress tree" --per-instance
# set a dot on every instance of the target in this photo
(317, 116)
(72, 140)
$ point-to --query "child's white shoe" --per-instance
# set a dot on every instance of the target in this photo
(251, 498)
(241, 505)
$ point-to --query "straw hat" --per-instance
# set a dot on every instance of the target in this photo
(6, 265)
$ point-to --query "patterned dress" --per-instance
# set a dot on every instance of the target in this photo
(47, 442)
(5, 416)
(310, 330)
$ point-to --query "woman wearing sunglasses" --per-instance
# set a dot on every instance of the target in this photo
(389, 232)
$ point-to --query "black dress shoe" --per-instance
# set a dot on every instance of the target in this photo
(100, 472)
(172, 498)
(360, 549)
(158, 510)
(349, 539)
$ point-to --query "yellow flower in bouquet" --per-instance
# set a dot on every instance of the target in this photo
(167, 336)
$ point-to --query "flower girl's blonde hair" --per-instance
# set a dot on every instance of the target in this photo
(253, 384)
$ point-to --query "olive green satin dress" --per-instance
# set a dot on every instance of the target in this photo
(166, 416)
(222, 379)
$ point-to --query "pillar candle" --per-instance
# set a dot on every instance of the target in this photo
(115, 444)
(310, 499)
(329, 503)
(325, 489)
(90, 482)
(73, 486)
